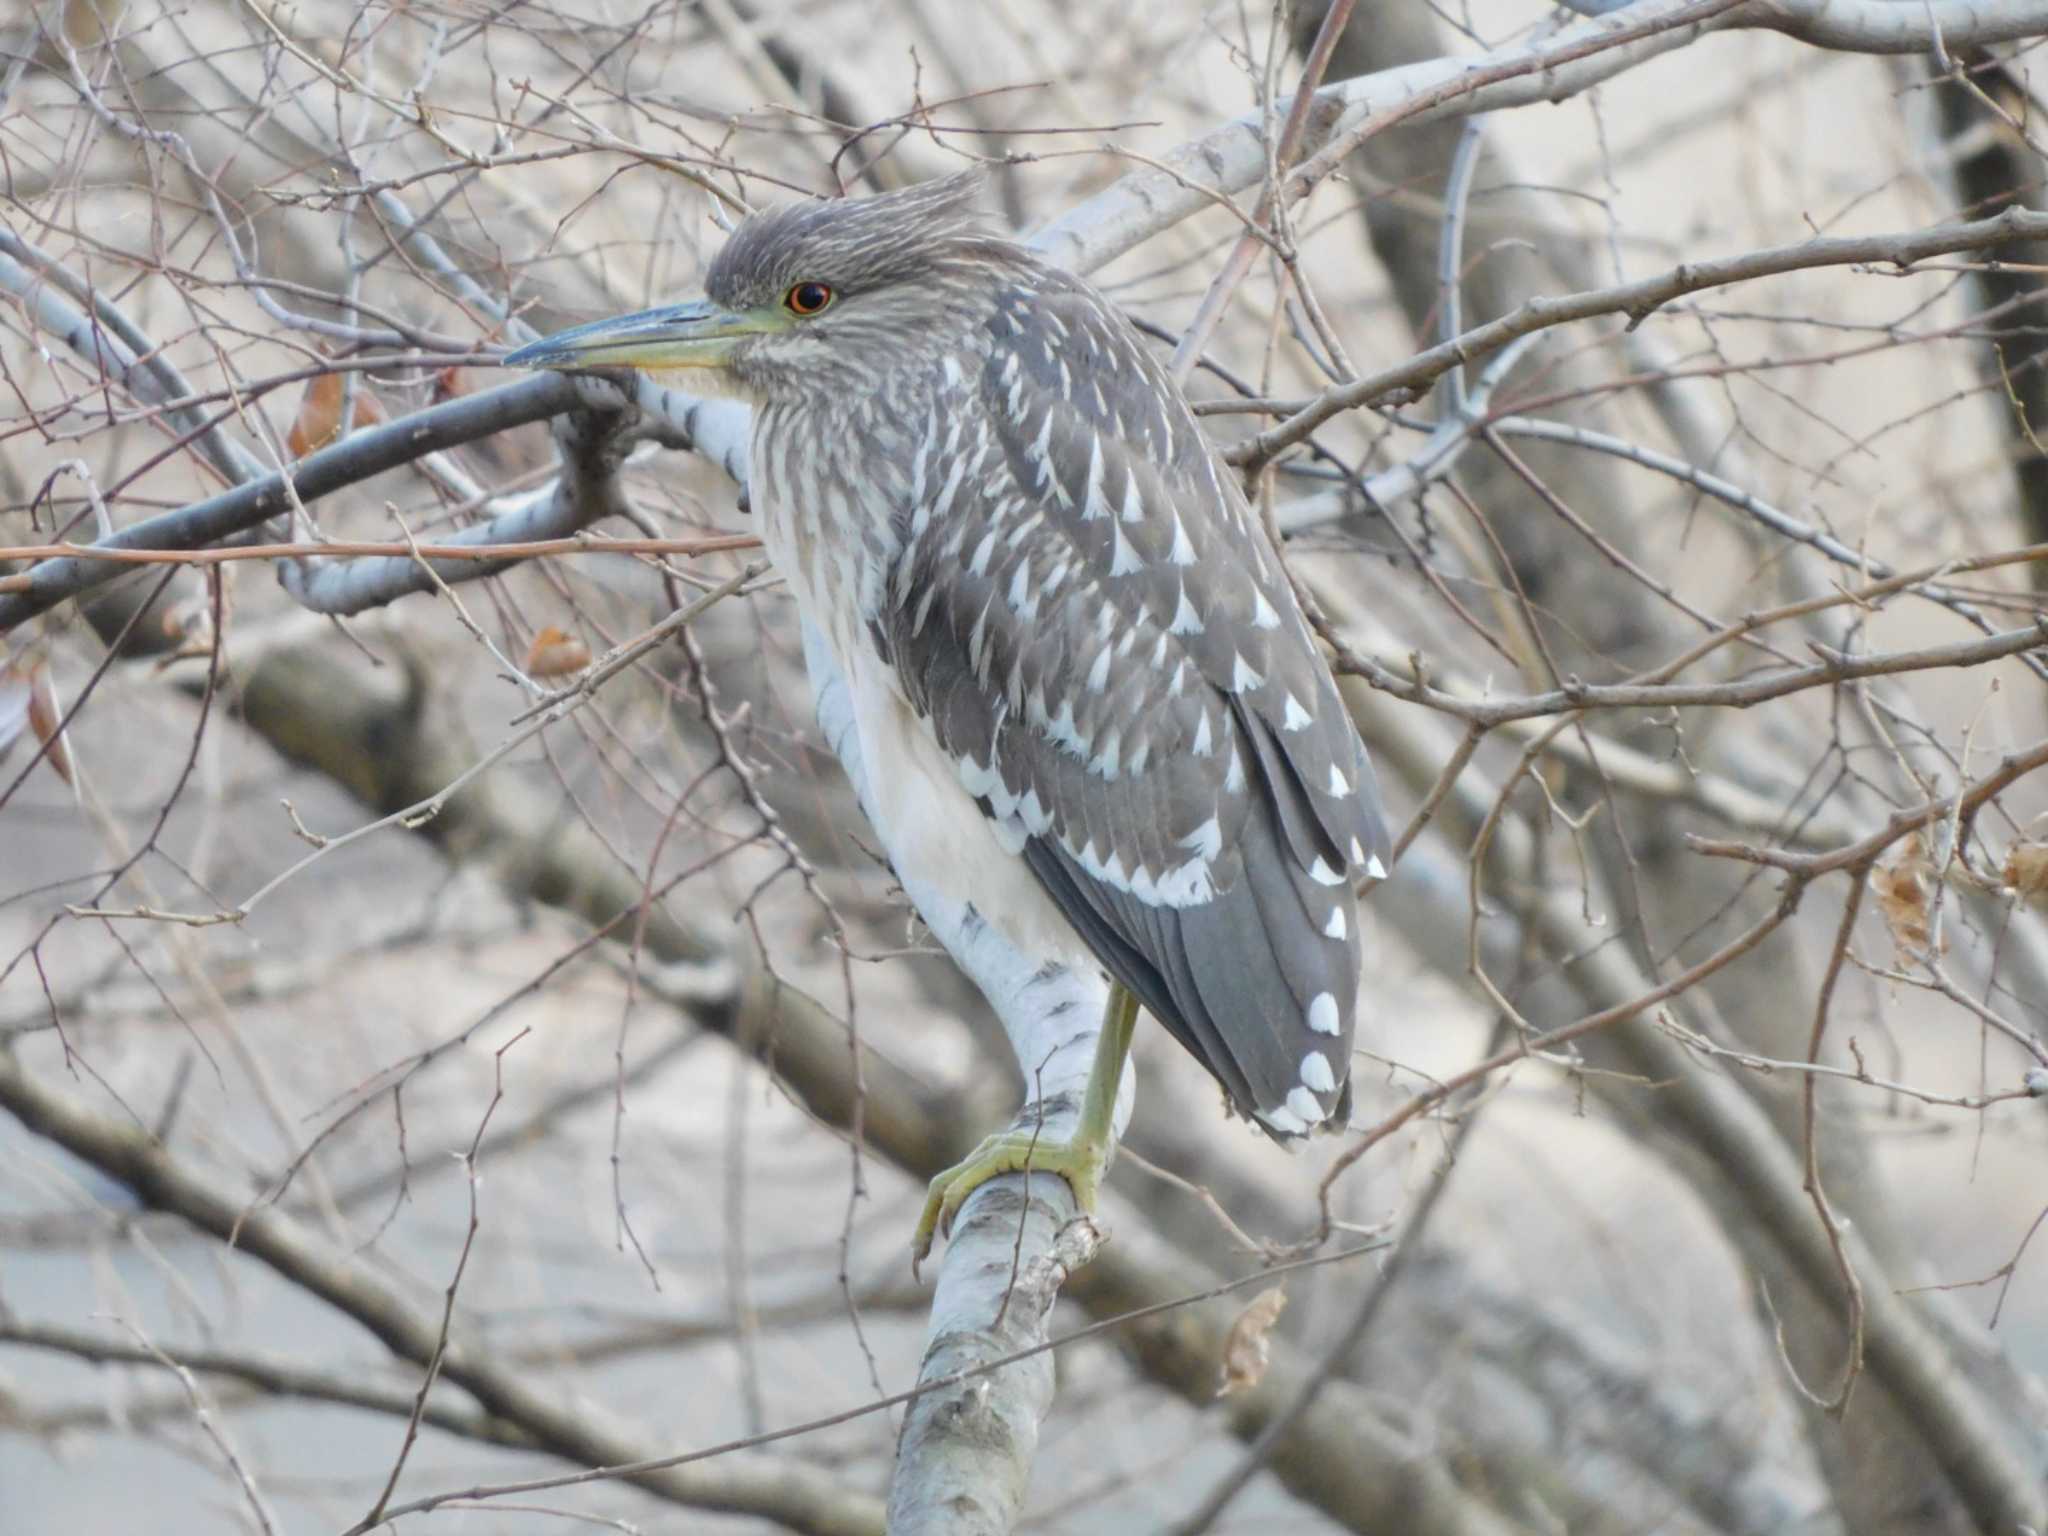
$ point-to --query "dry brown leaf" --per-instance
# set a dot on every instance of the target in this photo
(29, 698)
(1245, 1348)
(2026, 872)
(1903, 889)
(319, 418)
(14, 696)
(555, 653)
(46, 719)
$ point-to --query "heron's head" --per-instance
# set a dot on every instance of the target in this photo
(813, 300)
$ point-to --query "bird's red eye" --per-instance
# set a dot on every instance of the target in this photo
(807, 298)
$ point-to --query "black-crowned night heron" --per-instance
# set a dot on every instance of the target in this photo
(1085, 696)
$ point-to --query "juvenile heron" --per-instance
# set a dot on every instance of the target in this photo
(1085, 696)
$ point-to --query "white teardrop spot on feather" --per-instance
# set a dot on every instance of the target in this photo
(1322, 1012)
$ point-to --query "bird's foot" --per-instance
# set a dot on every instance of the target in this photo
(1081, 1162)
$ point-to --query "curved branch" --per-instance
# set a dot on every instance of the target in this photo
(1881, 26)
(116, 346)
(272, 1374)
(353, 460)
(798, 1496)
(1737, 693)
(1637, 300)
(594, 443)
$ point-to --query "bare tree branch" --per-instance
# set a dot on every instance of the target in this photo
(349, 462)
(1707, 542)
(1638, 300)
(790, 1493)
(277, 1375)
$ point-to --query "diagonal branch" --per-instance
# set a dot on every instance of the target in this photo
(790, 1493)
(1637, 300)
(593, 442)
(274, 1374)
(350, 462)
(116, 346)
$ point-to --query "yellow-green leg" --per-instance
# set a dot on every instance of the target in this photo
(1080, 1161)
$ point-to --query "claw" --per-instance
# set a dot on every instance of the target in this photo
(1080, 1162)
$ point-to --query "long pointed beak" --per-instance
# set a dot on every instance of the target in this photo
(695, 335)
